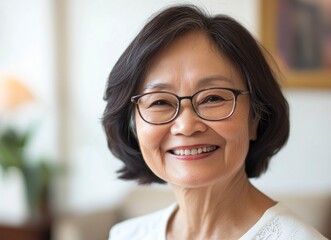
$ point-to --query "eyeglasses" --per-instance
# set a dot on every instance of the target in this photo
(212, 104)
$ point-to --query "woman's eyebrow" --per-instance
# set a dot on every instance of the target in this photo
(157, 85)
(213, 79)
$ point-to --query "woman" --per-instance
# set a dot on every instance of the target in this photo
(193, 102)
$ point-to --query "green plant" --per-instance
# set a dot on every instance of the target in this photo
(37, 177)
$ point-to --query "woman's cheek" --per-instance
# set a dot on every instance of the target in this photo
(154, 160)
(150, 139)
(239, 148)
(236, 143)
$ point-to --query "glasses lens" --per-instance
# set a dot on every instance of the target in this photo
(158, 107)
(214, 104)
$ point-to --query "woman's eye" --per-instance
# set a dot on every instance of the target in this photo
(212, 99)
(160, 103)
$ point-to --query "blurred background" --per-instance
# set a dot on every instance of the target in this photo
(57, 177)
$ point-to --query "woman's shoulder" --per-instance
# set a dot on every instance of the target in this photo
(279, 222)
(148, 226)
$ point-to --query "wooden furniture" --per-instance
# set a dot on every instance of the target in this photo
(26, 232)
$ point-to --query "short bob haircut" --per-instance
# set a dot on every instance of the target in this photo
(268, 104)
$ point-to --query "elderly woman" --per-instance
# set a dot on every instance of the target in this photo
(193, 102)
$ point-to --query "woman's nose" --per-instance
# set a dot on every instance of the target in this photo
(187, 122)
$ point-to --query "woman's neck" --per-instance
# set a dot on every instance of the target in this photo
(223, 210)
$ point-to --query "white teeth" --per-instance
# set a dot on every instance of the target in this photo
(194, 151)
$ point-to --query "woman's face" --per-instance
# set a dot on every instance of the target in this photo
(191, 63)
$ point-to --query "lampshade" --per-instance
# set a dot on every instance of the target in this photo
(13, 94)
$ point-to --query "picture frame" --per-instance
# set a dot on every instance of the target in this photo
(298, 40)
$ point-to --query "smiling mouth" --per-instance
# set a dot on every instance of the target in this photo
(193, 151)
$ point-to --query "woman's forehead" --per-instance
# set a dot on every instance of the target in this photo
(190, 58)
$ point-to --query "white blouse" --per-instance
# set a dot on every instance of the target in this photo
(278, 222)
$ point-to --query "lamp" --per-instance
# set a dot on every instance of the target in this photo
(13, 94)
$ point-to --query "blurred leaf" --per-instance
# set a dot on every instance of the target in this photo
(11, 148)
(37, 177)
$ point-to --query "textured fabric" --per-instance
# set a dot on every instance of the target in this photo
(277, 223)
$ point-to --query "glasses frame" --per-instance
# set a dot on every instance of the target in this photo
(235, 92)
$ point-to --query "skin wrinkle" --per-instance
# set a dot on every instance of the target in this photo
(210, 208)
(214, 196)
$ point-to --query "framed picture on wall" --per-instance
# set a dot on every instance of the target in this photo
(297, 33)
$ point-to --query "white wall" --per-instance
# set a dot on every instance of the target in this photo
(98, 32)
(304, 165)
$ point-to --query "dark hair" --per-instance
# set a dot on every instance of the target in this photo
(236, 43)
